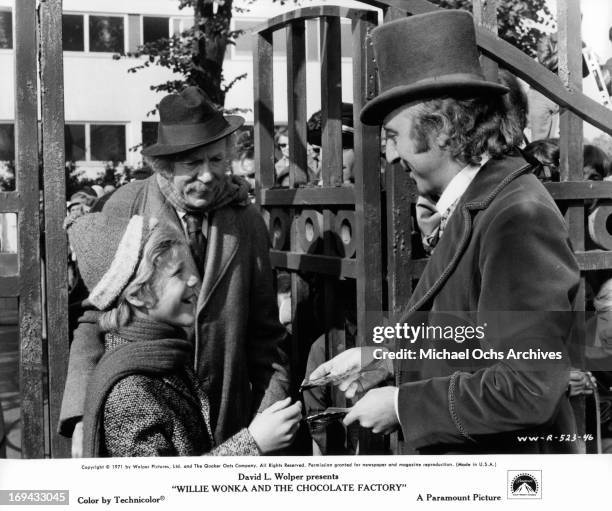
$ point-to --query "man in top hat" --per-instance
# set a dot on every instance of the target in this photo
(501, 263)
(237, 334)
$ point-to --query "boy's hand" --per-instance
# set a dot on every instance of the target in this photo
(275, 427)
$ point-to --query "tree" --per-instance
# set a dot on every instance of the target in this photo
(519, 21)
(197, 54)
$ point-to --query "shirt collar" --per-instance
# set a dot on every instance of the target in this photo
(458, 185)
(181, 214)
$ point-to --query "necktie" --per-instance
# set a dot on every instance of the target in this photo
(428, 220)
(197, 241)
(431, 222)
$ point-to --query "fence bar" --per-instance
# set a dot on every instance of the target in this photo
(367, 193)
(320, 196)
(296, 261)
(264, 111)
(331, 99)
(26, 145)
(296, 98)
(367, 181)
(52, 99)
(571, 161)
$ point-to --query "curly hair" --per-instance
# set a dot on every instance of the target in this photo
(474, 127)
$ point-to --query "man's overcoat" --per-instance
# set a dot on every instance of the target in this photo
(505, 260)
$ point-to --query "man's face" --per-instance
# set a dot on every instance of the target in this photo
(175, 289)
(426, 167)
(198, 174)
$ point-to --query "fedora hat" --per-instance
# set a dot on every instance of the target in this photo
(425, 57)
(188, 120)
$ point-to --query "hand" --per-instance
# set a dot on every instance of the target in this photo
(275, 427)
(580, 383)
(77, 440)
(375, 411)
(345, 370)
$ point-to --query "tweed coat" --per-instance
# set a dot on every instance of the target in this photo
(238, 337)
(505, 257)
(147, 415)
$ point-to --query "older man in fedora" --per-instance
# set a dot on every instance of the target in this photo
(501, 265)
(237, 334)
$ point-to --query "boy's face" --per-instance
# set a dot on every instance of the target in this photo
(175, 288)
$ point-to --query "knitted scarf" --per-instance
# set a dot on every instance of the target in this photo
(233, 190)
(154, 350)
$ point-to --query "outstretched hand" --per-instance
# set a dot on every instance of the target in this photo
(354, 370)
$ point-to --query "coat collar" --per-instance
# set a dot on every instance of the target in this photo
(487, 184)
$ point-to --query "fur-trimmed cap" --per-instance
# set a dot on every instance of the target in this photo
(108, 250)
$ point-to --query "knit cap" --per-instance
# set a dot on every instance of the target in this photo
(108, 250)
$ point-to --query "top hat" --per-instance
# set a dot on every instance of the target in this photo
(425, 57)
(189, 120)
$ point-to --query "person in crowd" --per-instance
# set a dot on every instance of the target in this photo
(543, 112)
(499, 234)
(144, 398)
(545, 154)
(281, 167)
(281, 141)
(81, 202)
(236, 332)
(348, 152)
(595, 164)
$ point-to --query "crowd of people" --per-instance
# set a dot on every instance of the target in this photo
(180, 335)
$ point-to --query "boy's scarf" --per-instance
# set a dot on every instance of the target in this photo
(157, 357)
(233, 190)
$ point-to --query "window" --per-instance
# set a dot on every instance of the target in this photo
(74, 142)
(179, 25)
(106, 34)
(149, 133)
(7, 142)
(95, 142)
(6, 30)
(107, 142)
(154, 28)
(84, 32)
(73, 32)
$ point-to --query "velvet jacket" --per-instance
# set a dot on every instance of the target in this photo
(504, 259)
(238, 354)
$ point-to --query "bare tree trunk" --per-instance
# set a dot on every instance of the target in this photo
(210, 47)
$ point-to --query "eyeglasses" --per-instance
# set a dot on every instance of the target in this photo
(283, 145)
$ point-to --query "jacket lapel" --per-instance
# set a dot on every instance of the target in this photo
(489, 181)
(222, 247)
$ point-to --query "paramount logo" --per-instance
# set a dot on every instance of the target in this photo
(524, 484)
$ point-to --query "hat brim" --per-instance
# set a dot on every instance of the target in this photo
(375, 111)
(234, 122)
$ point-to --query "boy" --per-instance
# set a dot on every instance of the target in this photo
(143, 398)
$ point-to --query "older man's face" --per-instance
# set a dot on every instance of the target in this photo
(198, 174)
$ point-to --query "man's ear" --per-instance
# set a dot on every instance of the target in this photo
(442, 140)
